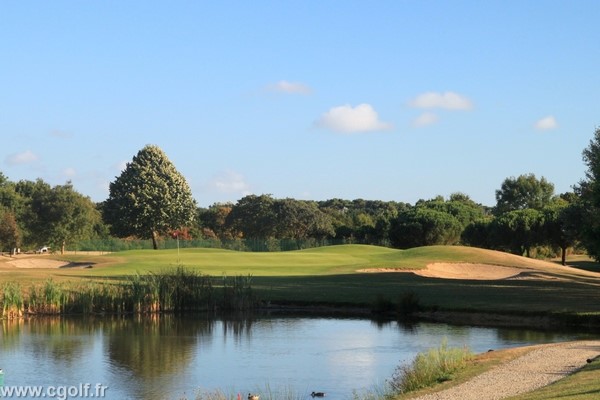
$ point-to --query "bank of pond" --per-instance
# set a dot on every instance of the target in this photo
(180, 290)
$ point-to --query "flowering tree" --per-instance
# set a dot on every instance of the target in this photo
(149, 198)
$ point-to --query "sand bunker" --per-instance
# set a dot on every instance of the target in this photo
(38, 263)
(468, 271)
(459, 271)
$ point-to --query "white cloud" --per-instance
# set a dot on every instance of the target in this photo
(346, 119)
(546, 123)
(25, 157)
(230, 182)
(447, 100)
(427, 118)
(291, 87)
(69, 172)
(61, 134)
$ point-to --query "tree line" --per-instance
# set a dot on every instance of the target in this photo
(152, 200)
(528, 215)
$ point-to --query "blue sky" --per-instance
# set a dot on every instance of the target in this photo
(386, 100)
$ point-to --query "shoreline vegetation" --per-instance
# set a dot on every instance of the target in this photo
(184, 291)
(177, 290)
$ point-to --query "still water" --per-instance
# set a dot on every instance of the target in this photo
(170, 357)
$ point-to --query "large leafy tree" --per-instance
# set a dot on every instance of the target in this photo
(254, 217)
(460, 206)
(12, 206)
(478, 233)
(562, 221)
(518, 231)
(28, 202)
(298, 219)
(9, 231)
(149, 198)
(589, 191)
(364, 221)
(212, 221)
(46, 215)
(423, 226)
(63, 216)
(522, 193)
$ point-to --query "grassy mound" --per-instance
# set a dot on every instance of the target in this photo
(318, 261)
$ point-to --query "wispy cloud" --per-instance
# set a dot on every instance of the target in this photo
(290, 87)
(230, 182)
(446, 100)
(25, 157)
(61, 134)
(546, 123)
(348, 119)
(69, 172)
(427, 118)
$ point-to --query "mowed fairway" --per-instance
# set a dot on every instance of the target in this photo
(350, 275)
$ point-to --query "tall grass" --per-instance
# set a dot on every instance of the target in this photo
(267, 393)
(46, 299)
(434, 366)
(12, 300)
(237, 293)
(171, 290)
(379, 392)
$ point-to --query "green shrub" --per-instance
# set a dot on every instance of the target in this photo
(431, 367)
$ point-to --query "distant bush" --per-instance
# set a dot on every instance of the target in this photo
(409, 303)
(382, 305)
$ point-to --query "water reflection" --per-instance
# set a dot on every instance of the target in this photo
(153, 346)
(169, 357)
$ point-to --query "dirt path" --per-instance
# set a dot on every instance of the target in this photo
(540, 367)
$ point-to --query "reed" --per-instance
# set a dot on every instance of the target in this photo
(237, 293)
(138, 294)
(171, 290)
(81, 299)
(53, 297)
(46, 299)
(175, 290)
(12, 301)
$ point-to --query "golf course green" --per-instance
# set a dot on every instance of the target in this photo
(351, 276)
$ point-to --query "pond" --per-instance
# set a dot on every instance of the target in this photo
(169, 357)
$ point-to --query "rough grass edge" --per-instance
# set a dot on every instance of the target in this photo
(428, 368)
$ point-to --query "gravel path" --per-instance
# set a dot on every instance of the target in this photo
(537, 368)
